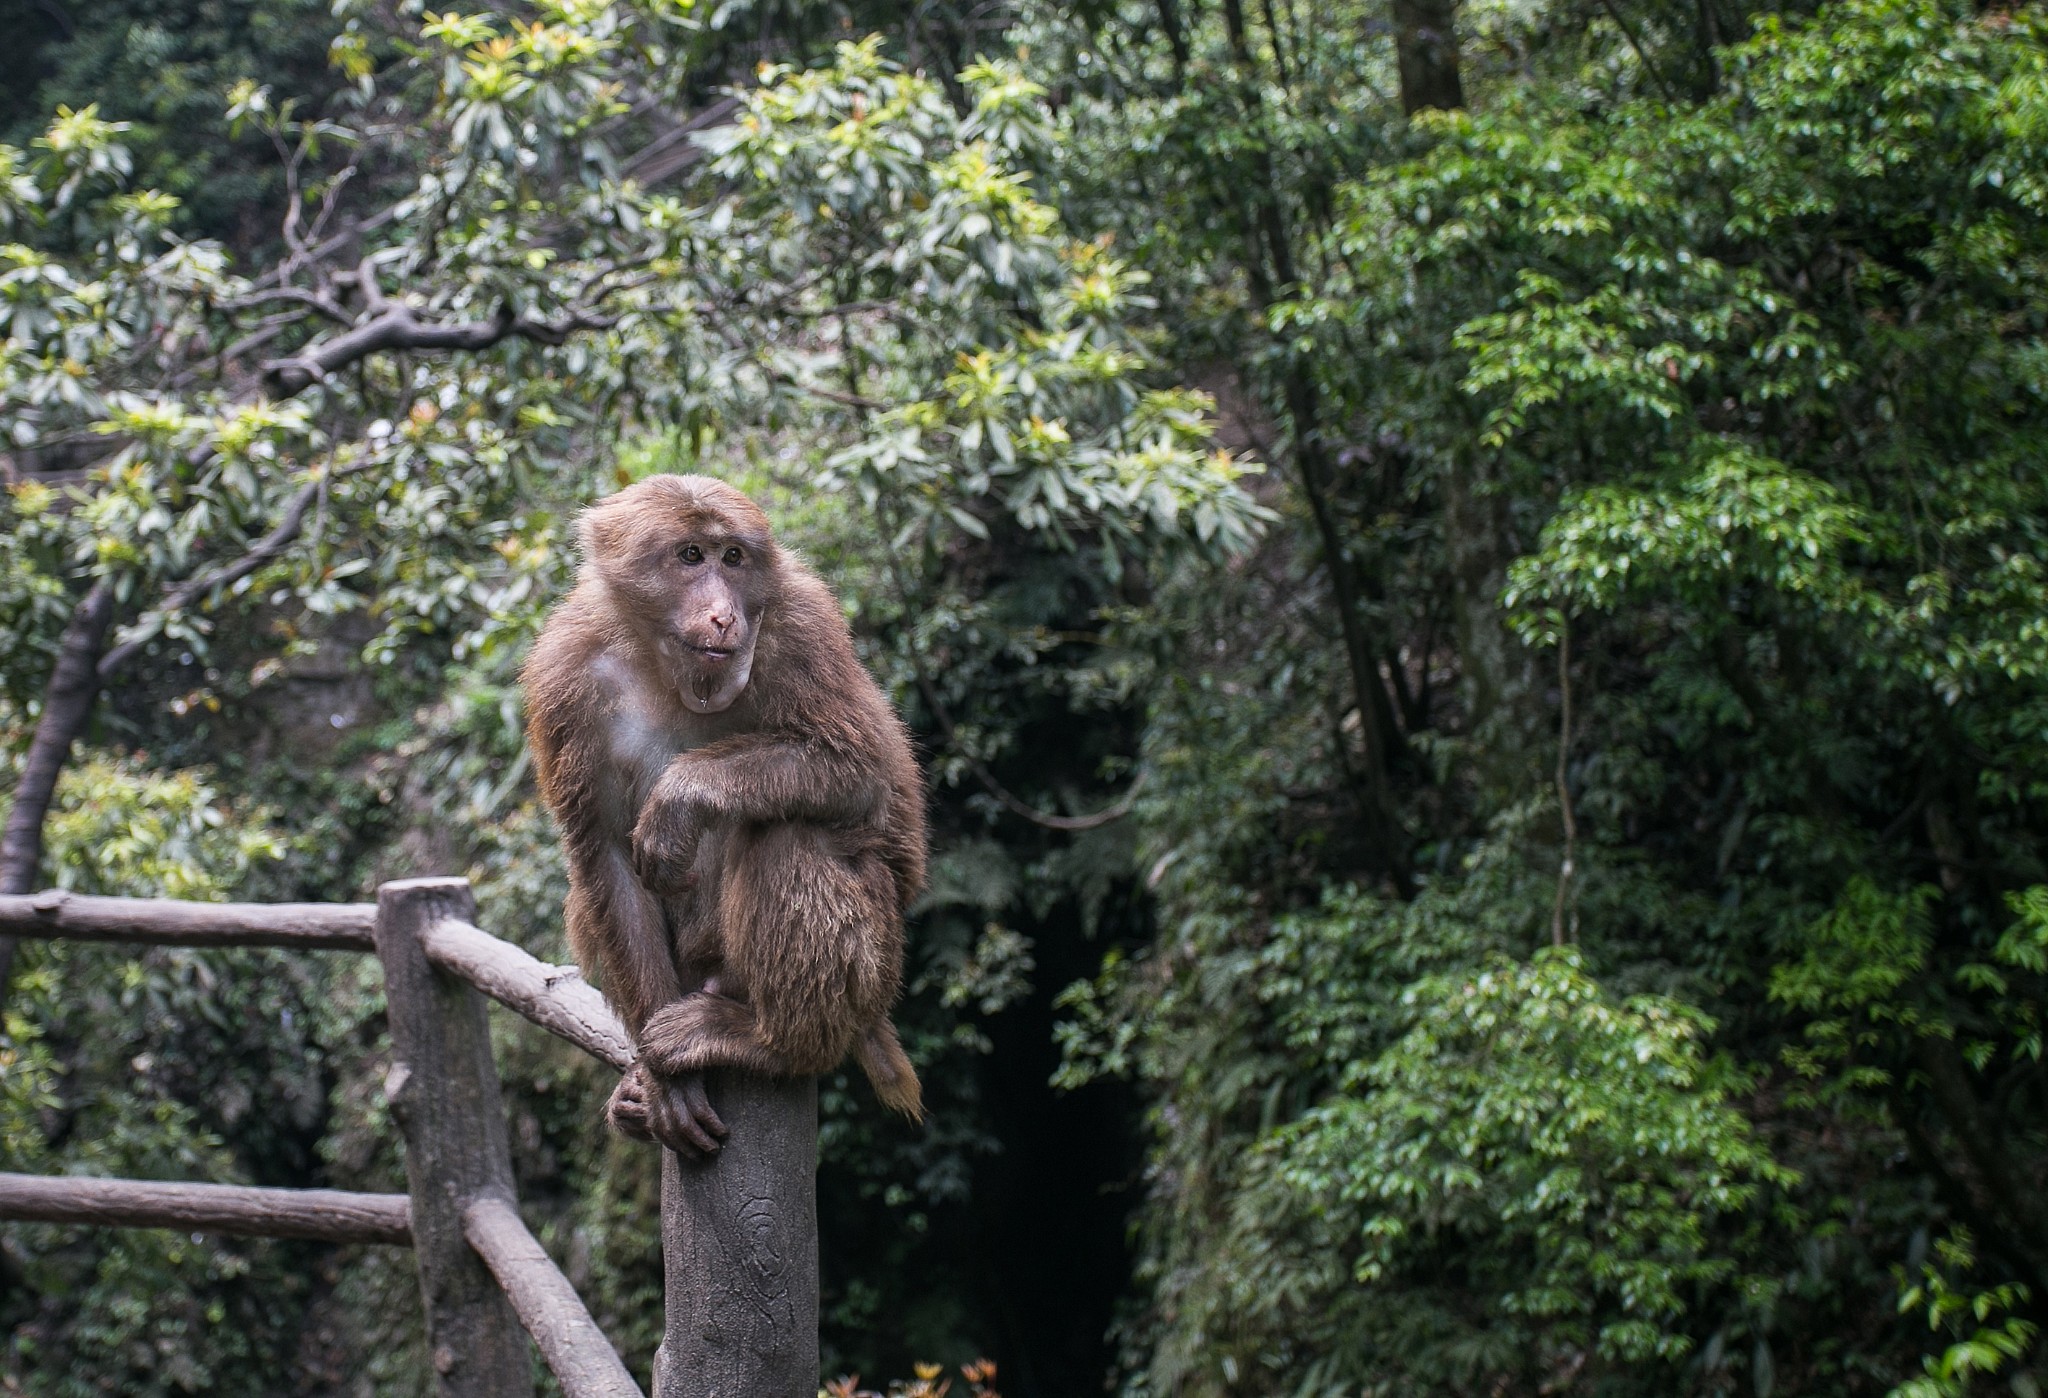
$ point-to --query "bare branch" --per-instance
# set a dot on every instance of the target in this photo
(1642, 56)
(330, 200)
(833, 395)
(364, 280)
(675, 151)
(1008, 799)
(397, 328)
(326, 306)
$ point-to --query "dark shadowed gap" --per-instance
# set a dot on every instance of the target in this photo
(1053, 1208)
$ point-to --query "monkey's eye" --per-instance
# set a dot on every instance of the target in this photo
(734, 557)
(690, 553)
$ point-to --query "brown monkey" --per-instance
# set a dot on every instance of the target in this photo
(743, 816)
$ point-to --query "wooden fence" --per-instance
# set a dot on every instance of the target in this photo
(739, 1231)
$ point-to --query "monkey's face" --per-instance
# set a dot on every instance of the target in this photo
(714, 618)
(692, 566)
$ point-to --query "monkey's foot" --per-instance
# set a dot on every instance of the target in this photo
(627, 1110)
(673, 1111)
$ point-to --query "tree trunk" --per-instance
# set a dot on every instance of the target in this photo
(1502, 691)
(67, 707)
(1426, 46)
(1270, 270)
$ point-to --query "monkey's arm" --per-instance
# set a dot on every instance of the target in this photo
(615, 924)
(751, 778)
(760, 776)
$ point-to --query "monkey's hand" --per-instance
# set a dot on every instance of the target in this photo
(665, 841)
(673, 1111)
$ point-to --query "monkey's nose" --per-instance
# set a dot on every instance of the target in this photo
(723, 623)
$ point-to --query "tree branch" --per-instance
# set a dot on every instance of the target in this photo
(1008, 799)
(297, 295)
(81, 668)
(1628, 32)
(397, 328)
(260, 553)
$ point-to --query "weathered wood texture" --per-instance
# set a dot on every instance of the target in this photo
(578, 1352)
(308, 926)
(443, 1087)
(557, 998)
(740, 1235)
(332, 1214)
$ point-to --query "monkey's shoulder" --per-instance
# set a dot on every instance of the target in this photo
(584, 680)
(809, 608)
(808, 640)
(578, 629)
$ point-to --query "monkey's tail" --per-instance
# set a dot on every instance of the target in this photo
(882, 1058)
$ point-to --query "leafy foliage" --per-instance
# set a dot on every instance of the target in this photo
(1581, 919)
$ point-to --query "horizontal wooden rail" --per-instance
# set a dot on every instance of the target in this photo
(308, 926)
(332, 1214)
(582, 1359)
(557, 998)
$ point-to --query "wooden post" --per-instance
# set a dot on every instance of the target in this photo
(443, 1088)
(740, 1238)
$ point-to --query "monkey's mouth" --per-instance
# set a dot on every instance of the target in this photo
(714, 654)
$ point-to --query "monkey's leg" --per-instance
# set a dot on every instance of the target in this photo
(617, 929)
(710, 1031)
(811, 937)
(817, 935)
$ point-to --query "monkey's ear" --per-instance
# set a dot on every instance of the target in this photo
(603, 533)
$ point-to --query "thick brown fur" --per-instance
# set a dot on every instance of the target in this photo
(744, 819)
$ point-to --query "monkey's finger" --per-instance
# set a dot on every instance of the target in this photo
(678, 1131)
(683, 1149)
(662, 1129)
(686, 1117)
(687, 1141)
(698, 1103)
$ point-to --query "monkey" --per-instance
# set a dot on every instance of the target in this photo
(742, 813)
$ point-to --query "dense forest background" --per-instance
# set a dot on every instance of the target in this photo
(1472, 580)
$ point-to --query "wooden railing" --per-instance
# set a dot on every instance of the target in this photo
(740, 1235)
